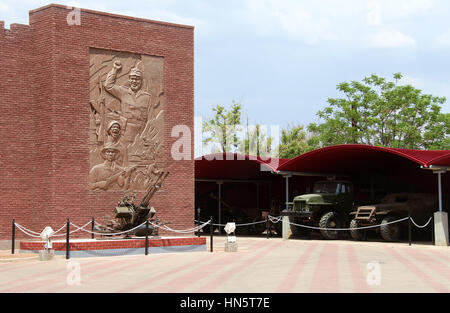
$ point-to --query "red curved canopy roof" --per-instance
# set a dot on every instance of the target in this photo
(441, 161)
(340, 159)
(351, 158)
(235, 166)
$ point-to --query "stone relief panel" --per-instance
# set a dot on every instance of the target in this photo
(126, 131)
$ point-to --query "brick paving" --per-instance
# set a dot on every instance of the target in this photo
(260, 266)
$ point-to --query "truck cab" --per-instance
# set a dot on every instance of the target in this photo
(328, 206)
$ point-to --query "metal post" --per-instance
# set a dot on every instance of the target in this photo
(211, 234)
(146, 237)
(440, 190)
(432, 230)
(198, 231)
(287, 192)
(67, 239)
(13, 237)
(409, 226)
(92, 227)
(267, 226)
(220, 206)
(257, 196)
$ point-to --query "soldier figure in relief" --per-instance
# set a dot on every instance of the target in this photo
(114, 136)
(134, 102)
(109, 175)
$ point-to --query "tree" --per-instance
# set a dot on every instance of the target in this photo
(295, 140)
(257, 143)
(383, 113)
(223, 127)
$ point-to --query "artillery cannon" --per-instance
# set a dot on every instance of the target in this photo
(128, 215)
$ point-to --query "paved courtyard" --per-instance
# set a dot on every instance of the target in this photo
(260, 266)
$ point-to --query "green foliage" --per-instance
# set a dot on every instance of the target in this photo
(383, 113)
(295, 140)
(257, 143)
(223, 127)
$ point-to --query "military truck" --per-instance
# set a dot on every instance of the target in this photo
(327, 207)
(391, 208)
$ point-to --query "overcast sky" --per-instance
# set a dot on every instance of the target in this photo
(282, 59)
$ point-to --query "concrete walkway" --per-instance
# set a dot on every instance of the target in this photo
(260, 266)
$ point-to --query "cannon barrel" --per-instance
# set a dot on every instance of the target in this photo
(153, 188)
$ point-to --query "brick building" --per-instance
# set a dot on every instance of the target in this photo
(49, 75)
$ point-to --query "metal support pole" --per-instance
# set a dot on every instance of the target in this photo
(211, 234)
(287, 192)
(267, 226)
(220, 206)
(409, 226)
(257, 196)
(432, 230)
(13, 236)
(146, 237)
(67, 239)
(440, 190)
(92, 227)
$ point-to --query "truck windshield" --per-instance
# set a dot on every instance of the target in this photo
(326, 187)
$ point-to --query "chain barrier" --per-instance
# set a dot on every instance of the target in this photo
(185, 231)
(273, 219)
(237, 225)
(54, 234)
(27, 231)
(109, 234)
(339, 229)
(423, 225)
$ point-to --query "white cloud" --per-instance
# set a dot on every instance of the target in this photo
(387, 38)
(409, 80)
(289, 18)
(374, 16)
(443, 40)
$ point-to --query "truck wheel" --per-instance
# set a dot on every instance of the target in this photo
(330, 220)
(389, 232)
(354, 232)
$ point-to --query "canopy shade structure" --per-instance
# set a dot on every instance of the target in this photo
(234, 166)
(356, 158)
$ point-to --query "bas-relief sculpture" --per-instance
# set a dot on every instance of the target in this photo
(126, 120)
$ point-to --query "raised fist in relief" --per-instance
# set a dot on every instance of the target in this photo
(117, 65)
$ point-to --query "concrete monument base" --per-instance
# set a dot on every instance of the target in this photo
(441, 229)
(231, 246)
(117, 246)
(46, 255)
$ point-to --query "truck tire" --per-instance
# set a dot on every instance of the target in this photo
(389, 232)
(330, 220)
(354, 232)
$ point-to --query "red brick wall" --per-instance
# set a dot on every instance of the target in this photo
(44, 104)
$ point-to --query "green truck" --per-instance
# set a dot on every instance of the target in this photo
(327, 207)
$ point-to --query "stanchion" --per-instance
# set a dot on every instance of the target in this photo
(92, 228)
(67, 240)
(432, 230)
(211, 234)
(146, 237)
(409, 226)
(13, 236)
(267, 226)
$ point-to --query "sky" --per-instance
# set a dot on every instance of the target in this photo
(282, 59)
